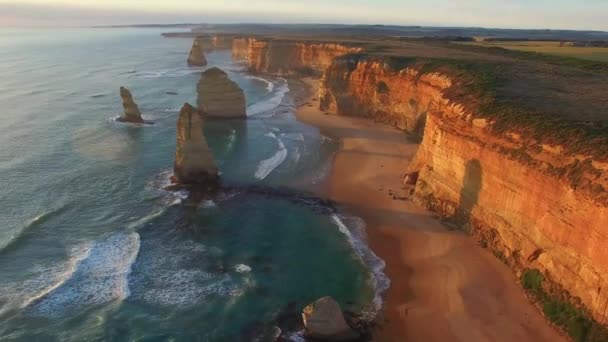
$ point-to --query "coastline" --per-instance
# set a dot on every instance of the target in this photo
(444, 287)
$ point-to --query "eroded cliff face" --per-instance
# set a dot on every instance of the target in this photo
(371, 88)
(194, 163)
(534, 205)
(292, 57)
(240, 49)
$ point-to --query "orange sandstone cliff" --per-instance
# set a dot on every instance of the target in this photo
(288, 57)
(534, 203)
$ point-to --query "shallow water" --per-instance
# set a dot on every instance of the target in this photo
(92, 247)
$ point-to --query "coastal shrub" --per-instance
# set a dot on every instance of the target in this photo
(382, 88)
(558, 310)
(532, 280)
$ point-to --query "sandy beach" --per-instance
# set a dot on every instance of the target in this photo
(443, 286)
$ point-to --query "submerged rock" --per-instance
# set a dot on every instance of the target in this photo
(197, 55)
(130, 108)
(219, 96)
(324, 320)
(194, 163)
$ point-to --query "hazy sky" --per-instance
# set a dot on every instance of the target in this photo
(570, 14)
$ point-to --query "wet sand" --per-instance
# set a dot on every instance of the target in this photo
(444, 287)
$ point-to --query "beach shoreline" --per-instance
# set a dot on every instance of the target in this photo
(443, 286)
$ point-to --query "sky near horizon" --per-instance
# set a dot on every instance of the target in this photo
(553, 14)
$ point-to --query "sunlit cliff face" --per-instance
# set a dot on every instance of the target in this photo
(502, 188)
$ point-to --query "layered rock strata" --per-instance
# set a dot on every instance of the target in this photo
(194, 163)
(290, 57)
(369, 87)
(533, 203)
(240, 48)
(219, 96)
(197, 53)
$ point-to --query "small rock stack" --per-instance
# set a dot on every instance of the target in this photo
(131, 110)
(197, 54)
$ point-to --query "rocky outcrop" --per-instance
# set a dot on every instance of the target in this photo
(197, 53)
(293, 57)
(361, 86)
(533, 203)
(194, 163)
(240, 49)
(219, 96)
(324, 320)
(131, 110)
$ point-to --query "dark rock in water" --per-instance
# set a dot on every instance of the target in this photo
(130, 108)
(324, 320)
(219, 96)
(197, 55)
(194, 163)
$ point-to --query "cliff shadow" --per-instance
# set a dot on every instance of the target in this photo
(418, 131)
(471, 187)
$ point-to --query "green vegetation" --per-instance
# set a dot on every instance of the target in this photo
(480, 82)
(599, 54)
(558, 310)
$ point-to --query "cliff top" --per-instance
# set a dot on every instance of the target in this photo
(549, 98)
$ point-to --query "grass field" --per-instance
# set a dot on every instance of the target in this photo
(551, 48)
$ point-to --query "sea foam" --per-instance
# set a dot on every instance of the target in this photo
(96, 273)
(268, 165)
(355, 233)
(271, 103)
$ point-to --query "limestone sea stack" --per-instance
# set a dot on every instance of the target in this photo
(131, 110)
(194, 163)
(325, 321)
(219, 96)
(197, 55)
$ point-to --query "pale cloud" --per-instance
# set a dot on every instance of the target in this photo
(581, 14)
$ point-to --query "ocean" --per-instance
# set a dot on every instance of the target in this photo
(92, 247)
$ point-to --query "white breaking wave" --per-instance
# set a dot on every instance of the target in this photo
(42, 282)
(357, 238)
(271, 103)
(242, 268)
(267, 166)
(269, 84)
(166, 275)
(96, 273)
(166, 73)
(293, 136)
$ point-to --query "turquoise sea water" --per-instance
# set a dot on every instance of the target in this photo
(91, 245)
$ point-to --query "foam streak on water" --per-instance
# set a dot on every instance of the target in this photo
(267, 166)
(271, 103)
(269, 85)
(356, 236)
(100, 276)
